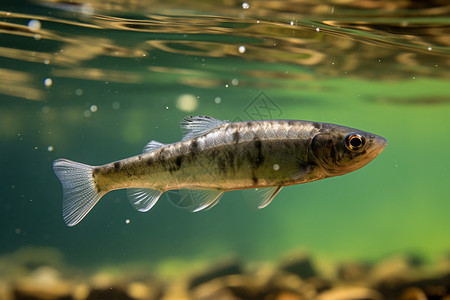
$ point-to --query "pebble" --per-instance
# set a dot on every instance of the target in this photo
(226, 267)
(413, 293)
(351, 272)
(5, 291)
(300, 265)
(44, 281)
(350, 293)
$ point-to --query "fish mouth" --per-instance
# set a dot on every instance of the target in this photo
(379, 143)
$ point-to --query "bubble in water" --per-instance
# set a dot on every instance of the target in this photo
(127, 221)
(93, 108)
(116, 105)
(317, 29)
(50, 148)
(245, 5)
(87, 113)
(276, 167)
(48, 82)
(241, 49)
(34, 25)
(217, 100)
(234, 81)
(429, 48)
(78, 92)
(187, 102)
(292, 22)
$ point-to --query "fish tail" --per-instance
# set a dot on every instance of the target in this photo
(79, 191)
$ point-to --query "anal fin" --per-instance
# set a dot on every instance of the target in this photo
(266, 195)
(195, 200)
(143, 199)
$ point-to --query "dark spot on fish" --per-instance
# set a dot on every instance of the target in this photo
(140, 157)
(249, 124)
(95, 172)
(291, 123)
(221, 164)
(117, 165)
(259, 156)
(193, 148)
(230, 157)
(317, 125)
(162, 156)
(332, 152)
(150, 161)
(288, 145)
(254, 178)
(236, 136)
(178, 161)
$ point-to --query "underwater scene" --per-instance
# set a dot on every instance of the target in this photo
(96, 81)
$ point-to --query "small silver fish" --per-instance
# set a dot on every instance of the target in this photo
(217, 156)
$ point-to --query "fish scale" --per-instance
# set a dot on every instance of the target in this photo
(217, 156)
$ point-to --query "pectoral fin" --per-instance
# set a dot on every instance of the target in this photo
(291, 165)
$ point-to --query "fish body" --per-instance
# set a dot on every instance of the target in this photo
(216, 156)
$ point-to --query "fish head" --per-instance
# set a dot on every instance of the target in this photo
(338, 150)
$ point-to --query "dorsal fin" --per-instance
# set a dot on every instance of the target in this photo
(198, 125)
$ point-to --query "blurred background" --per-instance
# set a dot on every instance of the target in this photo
(94, 81)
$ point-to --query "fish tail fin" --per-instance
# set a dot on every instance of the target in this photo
(79, 191)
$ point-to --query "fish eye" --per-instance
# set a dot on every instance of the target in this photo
(354, 141)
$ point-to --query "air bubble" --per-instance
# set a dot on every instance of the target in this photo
(48, 82)
(116, 105)
(93, 108)
(34, 25)
(187, 102)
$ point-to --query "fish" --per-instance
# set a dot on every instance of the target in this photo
(216, 156)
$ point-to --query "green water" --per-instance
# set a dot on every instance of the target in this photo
(118, 70)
